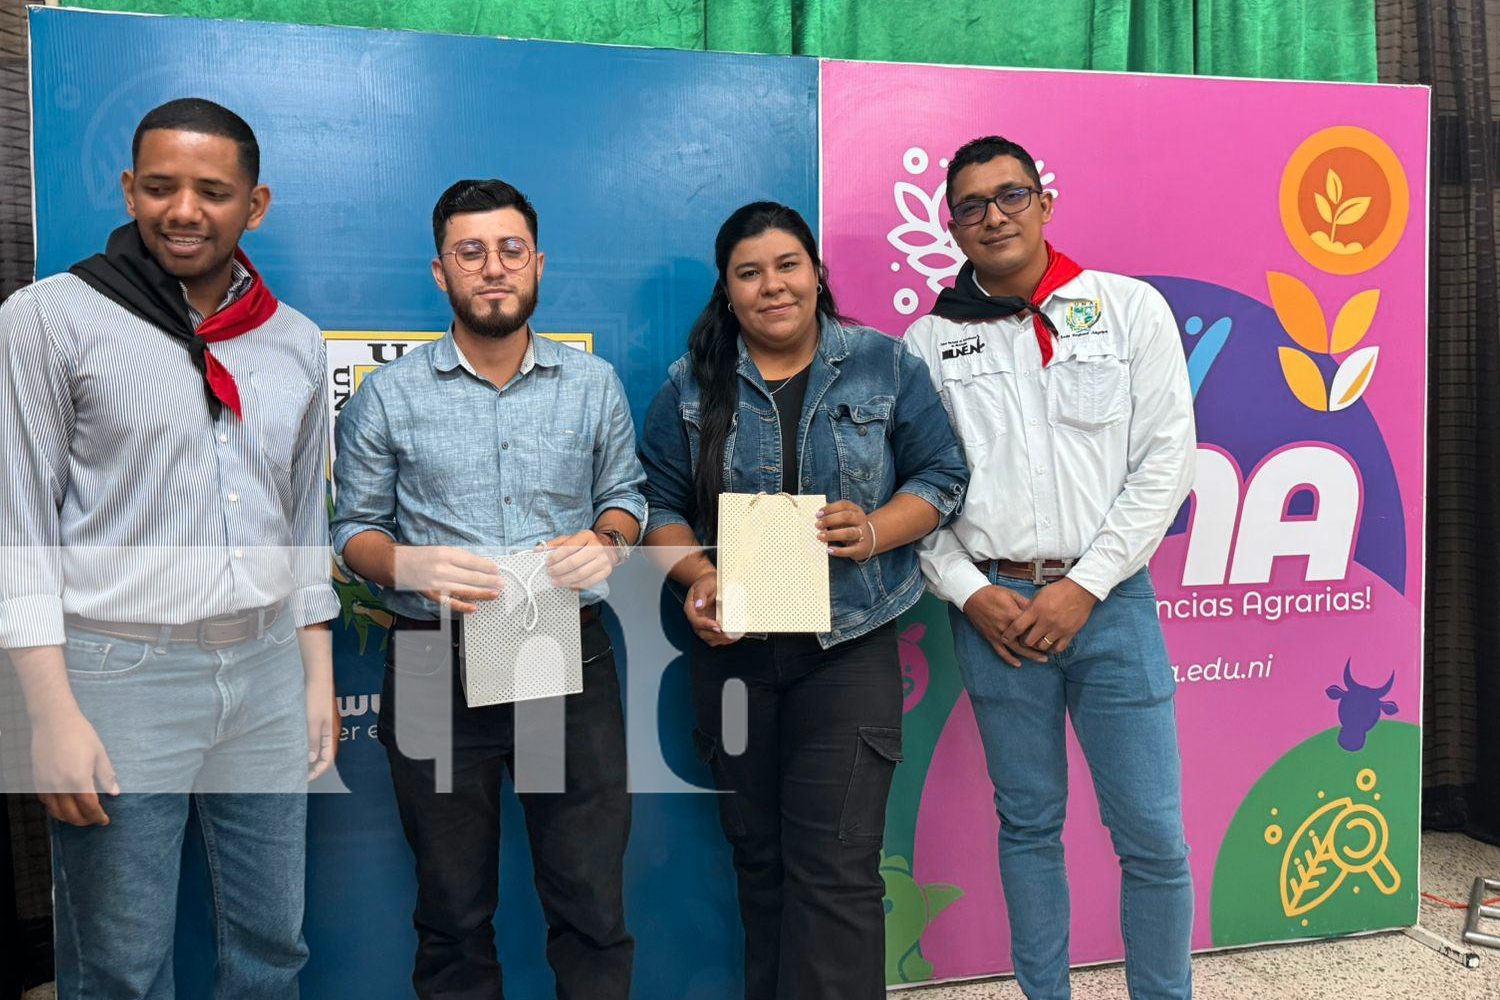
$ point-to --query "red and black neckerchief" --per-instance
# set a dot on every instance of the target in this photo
(966, 302)
(126, 273)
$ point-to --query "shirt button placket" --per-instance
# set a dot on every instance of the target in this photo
(1038, 433)
(505, 474)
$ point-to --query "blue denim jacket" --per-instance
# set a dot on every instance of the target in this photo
(872, 426)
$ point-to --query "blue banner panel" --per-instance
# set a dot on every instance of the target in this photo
(633, 158)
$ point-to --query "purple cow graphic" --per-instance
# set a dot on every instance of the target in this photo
(1360, 708)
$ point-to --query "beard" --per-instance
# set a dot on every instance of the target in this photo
(494, 322)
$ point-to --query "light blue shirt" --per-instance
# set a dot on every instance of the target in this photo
(430, 452)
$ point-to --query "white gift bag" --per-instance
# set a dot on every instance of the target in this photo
(526, 643)
(773, 570)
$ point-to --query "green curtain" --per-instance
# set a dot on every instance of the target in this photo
(1288, 39)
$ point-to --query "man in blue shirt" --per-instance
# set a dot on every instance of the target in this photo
(495, 437)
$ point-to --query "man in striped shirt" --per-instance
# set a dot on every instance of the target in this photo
(166, 578)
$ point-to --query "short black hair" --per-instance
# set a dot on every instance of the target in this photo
(983, 150)
(478, 196)
(194, 114)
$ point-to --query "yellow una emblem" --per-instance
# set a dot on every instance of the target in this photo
(1342, 838)
(1082, 315)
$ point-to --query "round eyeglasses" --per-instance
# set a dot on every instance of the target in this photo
(470, 255)
(1014, 201)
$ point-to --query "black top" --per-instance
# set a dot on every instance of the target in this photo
(789, 394)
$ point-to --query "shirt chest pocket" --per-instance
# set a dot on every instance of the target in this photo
(976, 396)
(565, 473)
(1090, 390)
(273, 415)
(859, 437)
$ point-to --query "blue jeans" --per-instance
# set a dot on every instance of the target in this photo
(225, 732)
(1116, 684)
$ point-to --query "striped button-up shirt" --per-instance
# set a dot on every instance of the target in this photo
(125, 500)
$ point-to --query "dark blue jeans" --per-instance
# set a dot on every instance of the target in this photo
(804, 805)
(1115, 682)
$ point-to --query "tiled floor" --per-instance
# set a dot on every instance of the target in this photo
(1378, 967)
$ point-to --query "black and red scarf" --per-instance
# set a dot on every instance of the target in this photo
(126, 273)
(966, 302)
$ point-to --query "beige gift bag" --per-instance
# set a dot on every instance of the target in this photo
(773, 570)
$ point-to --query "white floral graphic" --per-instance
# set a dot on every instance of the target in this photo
(926, 242)
(923, 237)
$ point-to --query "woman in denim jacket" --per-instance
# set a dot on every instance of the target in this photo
(778, 393)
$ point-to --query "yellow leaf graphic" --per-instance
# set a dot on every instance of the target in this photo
(1314, 860)
(1304, 379)
(1354, 321)
(1351, 211)
(1335, 187)
(1297, 308)
(1323, 209)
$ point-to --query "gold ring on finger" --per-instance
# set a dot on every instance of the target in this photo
(1047, 640)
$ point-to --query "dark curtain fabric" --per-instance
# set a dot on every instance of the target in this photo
(1453, 46)
(25, 876)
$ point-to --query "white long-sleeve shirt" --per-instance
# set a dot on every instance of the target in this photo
(1087, 458)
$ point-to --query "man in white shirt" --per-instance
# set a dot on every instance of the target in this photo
(1069, 391)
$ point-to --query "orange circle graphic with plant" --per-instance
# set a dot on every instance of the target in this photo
(1344, 200)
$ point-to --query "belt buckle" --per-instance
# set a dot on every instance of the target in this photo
(1059, 571)
(1038, 575)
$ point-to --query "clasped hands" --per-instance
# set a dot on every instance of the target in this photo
(1032, 629)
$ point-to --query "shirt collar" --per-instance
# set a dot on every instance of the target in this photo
(544, 352)
(240, 280)
(445, 353)
(1071, 290)
(540, 352)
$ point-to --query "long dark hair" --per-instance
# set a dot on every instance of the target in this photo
(713, 344)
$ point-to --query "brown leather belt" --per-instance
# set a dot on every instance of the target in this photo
(587, 615)
(1037, 571)
(209, 633)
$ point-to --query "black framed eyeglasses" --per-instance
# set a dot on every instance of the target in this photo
(470, 255)
(1013, 201)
